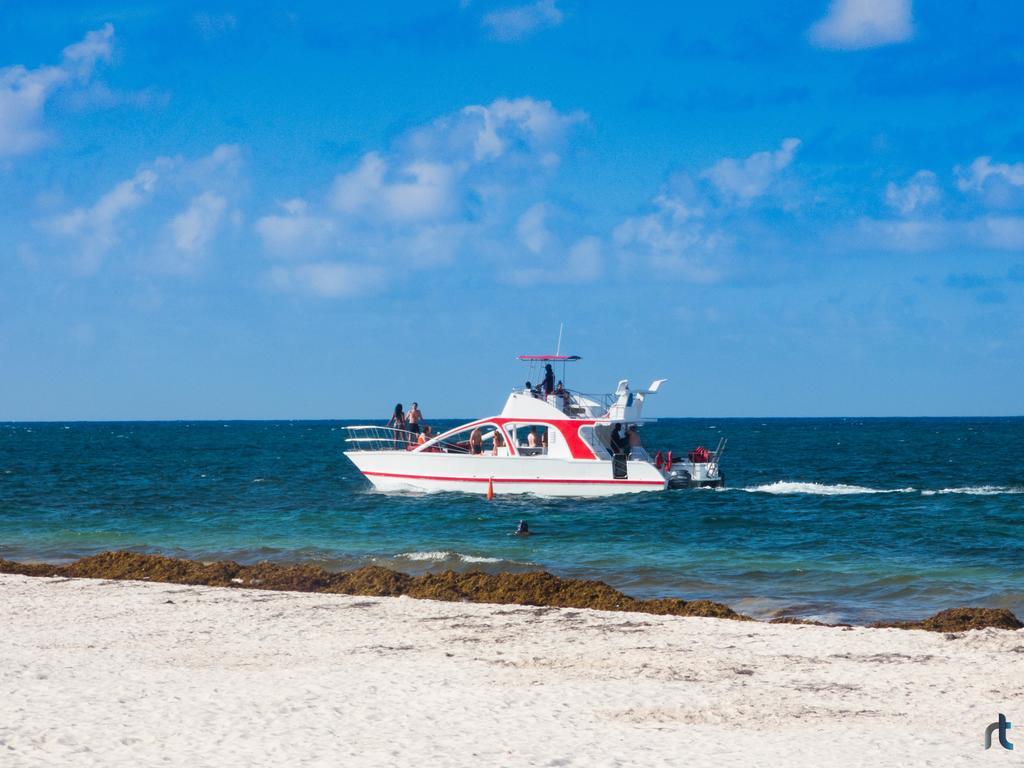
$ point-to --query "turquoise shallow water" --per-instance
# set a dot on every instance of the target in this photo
(841, 519)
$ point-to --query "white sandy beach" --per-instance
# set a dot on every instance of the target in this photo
(101, 673)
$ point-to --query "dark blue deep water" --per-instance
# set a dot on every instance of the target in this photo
(840, 519)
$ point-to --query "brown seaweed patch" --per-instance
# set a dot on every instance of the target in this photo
(287, 578)
(544, 589)
(139, 567)
(959, 620)
(675, 607)
(28, 569)
(372, 580)
(535, 589)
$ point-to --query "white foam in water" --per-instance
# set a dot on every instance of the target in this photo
(976, 490)
(820, 489)
(448, 555)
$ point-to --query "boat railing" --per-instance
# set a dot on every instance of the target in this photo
(581, 404)
(716, 455)
(375, 438)
(576, 405)
(606, 399)
(639, 453)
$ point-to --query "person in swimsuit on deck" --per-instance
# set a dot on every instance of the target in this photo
(397, 422)
(633, 439)
(413, 418)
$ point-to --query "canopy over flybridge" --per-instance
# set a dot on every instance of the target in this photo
(549, 358)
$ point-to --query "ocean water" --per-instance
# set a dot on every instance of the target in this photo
(835, 519)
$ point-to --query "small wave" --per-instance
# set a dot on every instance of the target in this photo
(976, 490)
(438, 556)
(820, 489)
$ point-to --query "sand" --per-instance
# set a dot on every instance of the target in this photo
(106, 673)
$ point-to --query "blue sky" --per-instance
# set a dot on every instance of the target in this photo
(317, 210)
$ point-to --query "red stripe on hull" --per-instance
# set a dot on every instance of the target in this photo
(514, 479)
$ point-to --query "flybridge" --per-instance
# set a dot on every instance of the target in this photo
(546, 372)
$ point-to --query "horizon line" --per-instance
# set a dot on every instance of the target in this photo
(457, 418)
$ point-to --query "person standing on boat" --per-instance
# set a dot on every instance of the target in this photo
(561, 401)
(549, 380)
(532, 440)
(618, 443)
(413, 418)
(397, 422)
(476, 441)
(633, 439)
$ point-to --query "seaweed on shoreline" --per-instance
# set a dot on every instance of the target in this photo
(959, 620)
(537, 588)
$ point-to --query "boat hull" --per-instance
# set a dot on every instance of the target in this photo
(402, 471)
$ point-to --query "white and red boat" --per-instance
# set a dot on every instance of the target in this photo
(563, 443)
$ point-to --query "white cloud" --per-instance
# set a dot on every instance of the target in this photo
(417, 205)
(194, 228)
(520, 21)
(329, 280)
(1004, 233)
(295, 232)
(919, 193)
(749, 178)
(855, 24)
(80, 58)
(524, 129)
(689, 230)
(673, 239)
(584, 263)
(418, 190)
(224, 161)
(531, 229)
(96, 228)
(982, 170)
(985, 188)
(24, 92)
(912, 235)
(925, 235)
(199, 190)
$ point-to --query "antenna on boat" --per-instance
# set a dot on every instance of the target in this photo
(558, 347)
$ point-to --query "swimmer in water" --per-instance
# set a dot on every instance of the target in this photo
(522, 529)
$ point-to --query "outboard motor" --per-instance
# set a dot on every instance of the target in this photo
(679, 478)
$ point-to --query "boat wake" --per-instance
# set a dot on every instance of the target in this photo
(442, 556)
(783, 487)
(819, 489)
(975, 490)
